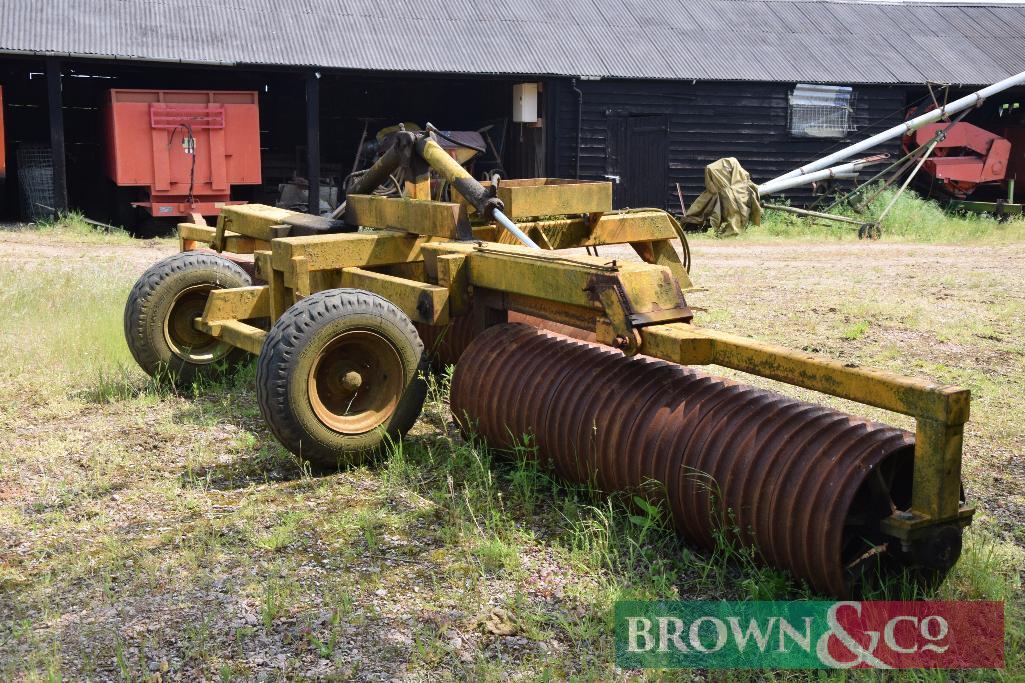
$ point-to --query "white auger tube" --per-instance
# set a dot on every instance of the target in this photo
(848, 170)
(903, 128)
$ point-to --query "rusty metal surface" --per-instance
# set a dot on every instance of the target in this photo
(804, 484)
(446, 343)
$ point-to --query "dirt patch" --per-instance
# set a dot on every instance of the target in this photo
(24, 247)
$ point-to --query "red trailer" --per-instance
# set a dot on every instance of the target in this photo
(188, 147)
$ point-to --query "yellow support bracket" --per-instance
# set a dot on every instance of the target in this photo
(347, 250)
(240, 303)
(420, 216)
(649, 232)
(940, 411)
(190, 236)
(236, 333)
(422, 302)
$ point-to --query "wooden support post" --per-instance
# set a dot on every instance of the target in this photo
(55, 101)
(313, 140)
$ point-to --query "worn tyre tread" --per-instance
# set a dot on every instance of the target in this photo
(145, 294)
(280, 352)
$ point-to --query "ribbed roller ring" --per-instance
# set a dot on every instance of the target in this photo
(804, 484)
(446, 343)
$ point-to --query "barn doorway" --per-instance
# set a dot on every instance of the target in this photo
(636, 160)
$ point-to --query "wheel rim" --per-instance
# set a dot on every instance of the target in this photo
(887, 489)
(356, 382)
(185, 341)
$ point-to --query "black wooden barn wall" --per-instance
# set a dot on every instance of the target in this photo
(705, 121)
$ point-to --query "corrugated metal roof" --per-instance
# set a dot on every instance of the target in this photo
(764, 40)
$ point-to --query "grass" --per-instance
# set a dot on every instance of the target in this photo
(856, 331)
(66, 315)
(74, 226)
(155, 531)
(912, 219)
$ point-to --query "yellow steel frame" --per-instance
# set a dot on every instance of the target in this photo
(636, 307)
(533, 197)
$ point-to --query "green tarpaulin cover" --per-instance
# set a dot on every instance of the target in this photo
(729, 202)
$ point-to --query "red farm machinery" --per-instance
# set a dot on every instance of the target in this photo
(185, 149)
(974, 165)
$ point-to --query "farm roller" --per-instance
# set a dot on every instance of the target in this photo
(591, 356)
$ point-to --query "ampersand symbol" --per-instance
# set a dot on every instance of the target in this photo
(861, 654)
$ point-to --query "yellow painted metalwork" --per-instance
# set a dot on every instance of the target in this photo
(441, 219)
(936, 490)
(451, 271)
(236, 333)
(423, 303)
(637, 307)
(347, 250)
(258, 221)
(533, 197)
(300, 268)
(628, 294)
(281, 297)
(192, 233)
(610, 228)
(419, 189)
(438, 159)
(530, 197)
(575, 280)
(410, 270)
(886, 390)
(262, 261)
(486, 232)
(233, 242)
(649, 231)
(241, 303)
(663, 253)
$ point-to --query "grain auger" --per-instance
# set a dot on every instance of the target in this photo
(344, 315)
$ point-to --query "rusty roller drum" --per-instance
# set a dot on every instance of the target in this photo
(806, 485)
(446, 343)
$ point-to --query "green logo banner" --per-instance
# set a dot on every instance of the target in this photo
(809, 635)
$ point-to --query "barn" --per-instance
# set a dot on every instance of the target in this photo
(643, 93)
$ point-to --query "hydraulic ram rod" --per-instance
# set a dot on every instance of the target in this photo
(907, 126)
(466, 185)
(504, 221)
(449, 168)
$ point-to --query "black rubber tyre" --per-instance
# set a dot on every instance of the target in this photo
(160, 310)
(339, 375)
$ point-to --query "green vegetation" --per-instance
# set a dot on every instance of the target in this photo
(856, 330)
(912, 219)
(74, 225)
(59, 319)
(151, 532)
